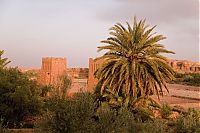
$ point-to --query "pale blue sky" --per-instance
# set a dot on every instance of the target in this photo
(32, 29)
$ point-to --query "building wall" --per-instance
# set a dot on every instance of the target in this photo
(52, 68)
(184, 66)
(81, 73)
(93, 66)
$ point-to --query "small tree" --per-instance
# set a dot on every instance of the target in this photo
(63, 85)
(134, 66)
(3, 61)
(19, 97)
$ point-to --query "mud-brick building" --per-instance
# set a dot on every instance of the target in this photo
(51, 69)
(184, 66)
(93, 66)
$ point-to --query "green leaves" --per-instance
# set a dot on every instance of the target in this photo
(19, 97)
(3, 61)
(133, 65)
(64, 85)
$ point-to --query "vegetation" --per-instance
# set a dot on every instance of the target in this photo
(19, 97)
(82, 113)
(133, 65)
(32, 74)
(63, 85)
(45, 90)
(3, 61)
(166, 111)
(134, 68)
(70, 115)
(189, 122)
(192, 79)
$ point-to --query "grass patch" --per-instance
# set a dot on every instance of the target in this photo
(192, 79)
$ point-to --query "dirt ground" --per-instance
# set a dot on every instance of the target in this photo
(185, 96)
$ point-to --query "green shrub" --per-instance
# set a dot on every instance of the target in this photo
(179, 75)
(166, 111)
(82, 114)
(143, 114)
(189, 122)
(157, 126)
(192, 79)
(70, 115)
(112, 120)
(19, 97)
(188, 78)
(3, 61)
(125, 121)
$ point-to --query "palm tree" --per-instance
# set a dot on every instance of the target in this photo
(64, 85)
(3, 61)
(134, 66)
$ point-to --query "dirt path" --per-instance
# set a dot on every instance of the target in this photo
(190, 92)
(186, 96)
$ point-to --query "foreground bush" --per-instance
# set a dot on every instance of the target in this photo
(189, 122)
(166, 111)
(70, 115)
(19, 97)
(83, 114)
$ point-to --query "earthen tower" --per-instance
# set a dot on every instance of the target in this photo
(51, 69)
(93, 66)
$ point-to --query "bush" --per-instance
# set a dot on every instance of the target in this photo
(157, 126)
(189, 122)
(188, 78)
(19, 97)
(70, 115)
(166, 111)
(125, 121)
(192, 79)
(82, 114)
(112, 120)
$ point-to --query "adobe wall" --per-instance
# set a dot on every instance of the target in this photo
(81, 73)
(93, 66)
(51, 69)
(184, 66)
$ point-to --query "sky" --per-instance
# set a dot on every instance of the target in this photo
(32, 29)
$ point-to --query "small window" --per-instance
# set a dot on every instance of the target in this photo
(48, 73)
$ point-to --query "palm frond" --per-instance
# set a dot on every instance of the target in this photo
(133, 63)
